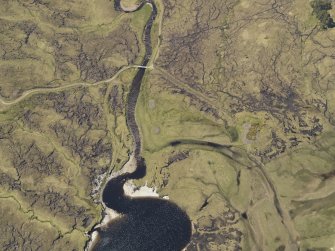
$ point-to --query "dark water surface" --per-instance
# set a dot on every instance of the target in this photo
(149, 224)
(146, 224)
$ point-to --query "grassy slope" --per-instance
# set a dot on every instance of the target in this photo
(61, 202)
(166, 112)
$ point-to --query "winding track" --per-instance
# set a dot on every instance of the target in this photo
(5, 102)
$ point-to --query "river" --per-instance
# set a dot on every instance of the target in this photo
(147, 223)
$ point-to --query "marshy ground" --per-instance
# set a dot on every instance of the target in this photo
(256, 77)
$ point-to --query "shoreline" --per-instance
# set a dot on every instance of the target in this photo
(130, 190)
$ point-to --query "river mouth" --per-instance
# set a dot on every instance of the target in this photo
(145, 223)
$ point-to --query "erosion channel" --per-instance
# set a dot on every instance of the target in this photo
(145, 223)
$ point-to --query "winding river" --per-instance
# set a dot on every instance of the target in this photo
(145, 224)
